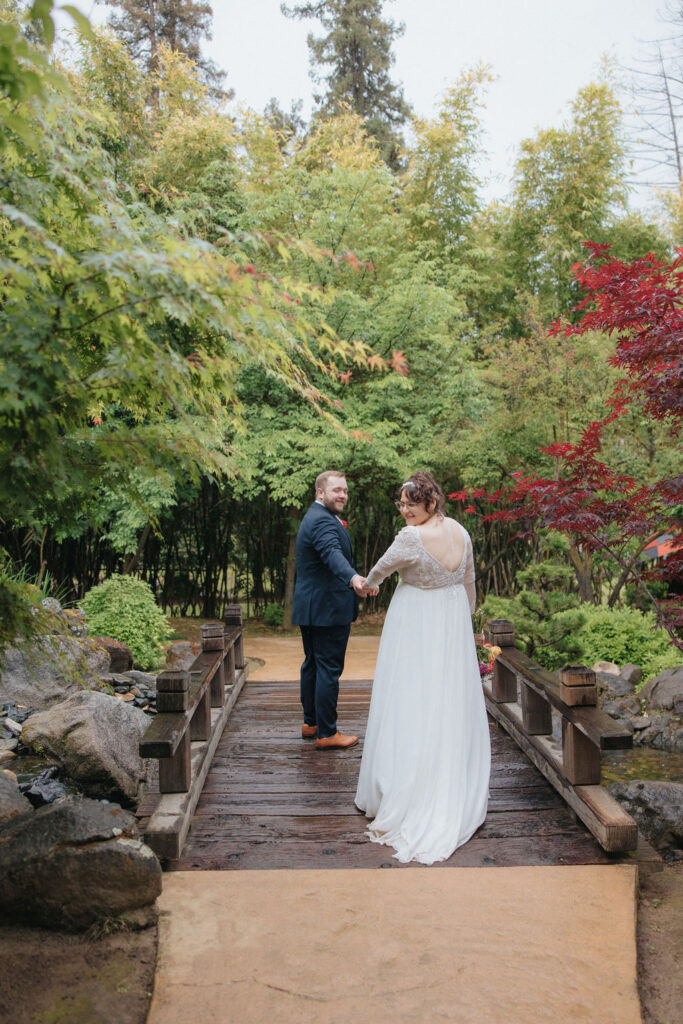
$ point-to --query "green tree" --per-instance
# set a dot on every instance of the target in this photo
(353, 61)
(145, 26)
(568, 183)
(441, 189)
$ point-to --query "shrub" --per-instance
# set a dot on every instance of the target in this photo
(273, 614)
(545, 611)
(125, 609)
(626, 635)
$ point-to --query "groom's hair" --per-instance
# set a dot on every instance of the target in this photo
(322, 478)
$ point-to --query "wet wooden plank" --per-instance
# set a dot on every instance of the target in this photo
(302, 854)
(272, 800)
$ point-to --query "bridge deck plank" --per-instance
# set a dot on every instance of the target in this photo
(273, 801)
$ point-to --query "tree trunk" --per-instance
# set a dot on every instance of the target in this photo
(133, 559)
(583, 567)
(290, 573)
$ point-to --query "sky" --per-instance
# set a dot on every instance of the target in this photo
(542, 52)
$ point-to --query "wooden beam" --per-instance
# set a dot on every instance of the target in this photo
(598, 726)
(167, 828)
(613, 828)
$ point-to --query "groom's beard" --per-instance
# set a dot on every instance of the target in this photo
(335, 505)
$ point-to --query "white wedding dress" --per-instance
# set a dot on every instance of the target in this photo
(424, 774)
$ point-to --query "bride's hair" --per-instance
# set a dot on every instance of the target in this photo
(423, 488)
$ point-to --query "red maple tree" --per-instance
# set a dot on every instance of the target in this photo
(641, 304)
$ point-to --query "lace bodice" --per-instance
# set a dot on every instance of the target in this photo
(417, 567)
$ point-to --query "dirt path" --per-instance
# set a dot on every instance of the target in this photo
(660, 946)
(53, 978)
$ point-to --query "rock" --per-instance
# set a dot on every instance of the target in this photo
(606, 668)
(75, 621)
(51, 604)
(94, 738)
(631, 674)
(611, 687)
(120, 654)
(144, 679)
(39, 674)
(180, 655)
(44, 788)
(623, 708)
(74, 863)
(657, 808)
(665, 691)
(6, 755)
(12, 801)
(8, 738)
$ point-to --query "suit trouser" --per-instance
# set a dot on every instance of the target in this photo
(325, 650)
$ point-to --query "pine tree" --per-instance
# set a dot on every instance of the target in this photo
(144, 25)
(354, 59)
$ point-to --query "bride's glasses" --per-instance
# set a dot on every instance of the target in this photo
(400, 505)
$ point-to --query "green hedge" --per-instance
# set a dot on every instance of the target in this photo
(626, 635)
(125, 609)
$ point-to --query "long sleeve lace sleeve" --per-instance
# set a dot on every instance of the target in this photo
(401, 553)
(468, 579)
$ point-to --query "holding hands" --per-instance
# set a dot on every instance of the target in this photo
(358, 584)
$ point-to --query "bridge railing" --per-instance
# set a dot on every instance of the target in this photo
(192, 709)
(522, 696)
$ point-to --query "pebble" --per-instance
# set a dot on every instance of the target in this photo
(13, 726)
(6, 755)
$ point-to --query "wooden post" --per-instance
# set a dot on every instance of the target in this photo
(504, 685)
(501, 632)
(229, 666)
(212, 636)
(213, 639)
(172, 690)
(580, 757)
(577, 686)
(200, 724)
(536, 712)
(175, 772)
(233, 617)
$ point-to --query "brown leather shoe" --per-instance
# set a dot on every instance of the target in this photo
(308, 731)
(338, 741)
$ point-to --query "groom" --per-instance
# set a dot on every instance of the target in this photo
(325, 604)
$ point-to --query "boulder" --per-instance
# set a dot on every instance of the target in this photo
(631, 674)
(665, 691)
(94, 738)
(606, 668)
(12, 802)
(39, 674)
(120, 654)
(74, 863)
(613, 687)
(658, 810)
(180, 655)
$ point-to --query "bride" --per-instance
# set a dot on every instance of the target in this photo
(424, 774)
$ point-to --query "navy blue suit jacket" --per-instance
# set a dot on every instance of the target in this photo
(322, 595)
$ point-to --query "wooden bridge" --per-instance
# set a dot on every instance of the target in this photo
(251, 794)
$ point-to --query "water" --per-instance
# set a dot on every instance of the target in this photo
(641, 763)
(26, 768)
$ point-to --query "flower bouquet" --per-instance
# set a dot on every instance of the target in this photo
(487, 654)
